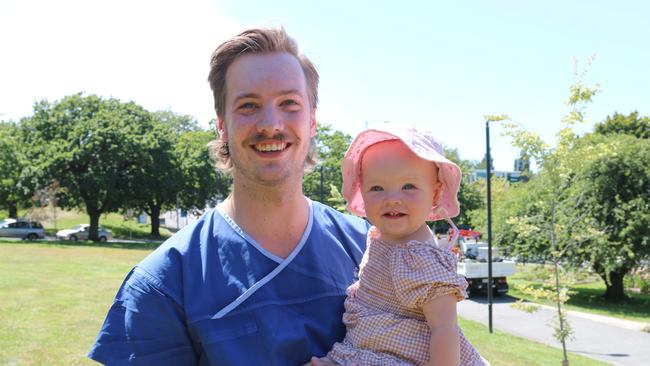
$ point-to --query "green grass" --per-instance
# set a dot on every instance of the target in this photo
(54, 296)
(54, 299)
(587, 296)
(502, 349)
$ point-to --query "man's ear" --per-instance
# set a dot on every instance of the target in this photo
(312, 121)
(221, 128)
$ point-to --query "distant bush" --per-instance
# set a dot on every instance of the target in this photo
(639, 279)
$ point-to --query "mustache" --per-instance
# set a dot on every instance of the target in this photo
(259, 137)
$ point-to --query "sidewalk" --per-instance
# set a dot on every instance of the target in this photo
(619, 342)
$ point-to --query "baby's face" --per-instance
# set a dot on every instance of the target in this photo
(398, 190)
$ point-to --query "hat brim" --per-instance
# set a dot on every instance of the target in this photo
(421, 144)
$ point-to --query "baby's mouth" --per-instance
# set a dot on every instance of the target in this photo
(393, 214)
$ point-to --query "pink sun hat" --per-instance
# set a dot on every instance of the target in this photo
(422, 144)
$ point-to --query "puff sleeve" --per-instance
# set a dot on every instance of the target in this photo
(422, 272)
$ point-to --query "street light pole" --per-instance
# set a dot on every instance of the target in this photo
(489, 221)
(321, 184)
(178, 226)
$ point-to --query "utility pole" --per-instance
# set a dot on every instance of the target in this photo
(489, 221)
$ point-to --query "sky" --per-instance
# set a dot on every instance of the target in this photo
(439, 65)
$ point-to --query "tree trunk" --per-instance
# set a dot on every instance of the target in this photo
(155, 219)
(94, 223)
(615, 289)
(13, 210)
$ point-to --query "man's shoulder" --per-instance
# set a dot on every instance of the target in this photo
(324, 213)
(339, 229)
(177, 251)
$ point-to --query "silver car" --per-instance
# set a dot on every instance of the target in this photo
(80, 232)
(24, 229)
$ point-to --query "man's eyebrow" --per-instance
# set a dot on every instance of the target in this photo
(246, 95)
(289, 91)
(255, 95)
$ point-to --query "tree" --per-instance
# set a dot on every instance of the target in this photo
(469, 195)
(599, 186)
(12, 161)
(614, 181)
(159, 178)
(631, 124)
(202, 183)
(177, 122)
(549, 224)
(93, 147)
(483, 163)
(331, 146)
(505, 197)
(178, 170)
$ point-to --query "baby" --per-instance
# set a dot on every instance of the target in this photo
(402, 311)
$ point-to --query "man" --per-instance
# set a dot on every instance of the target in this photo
(261, 279)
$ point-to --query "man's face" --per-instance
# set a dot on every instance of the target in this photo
(398, 189)
(268, 122)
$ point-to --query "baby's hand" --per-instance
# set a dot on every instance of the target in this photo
(352, 290)
(315, 361)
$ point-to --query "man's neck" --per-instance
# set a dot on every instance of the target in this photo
(275, 217)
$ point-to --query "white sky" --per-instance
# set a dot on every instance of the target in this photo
(438, 65)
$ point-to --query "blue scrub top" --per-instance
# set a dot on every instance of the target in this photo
(211, 295)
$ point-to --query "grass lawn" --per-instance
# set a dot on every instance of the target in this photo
(53, 299)
(502, 349)
(588, 296)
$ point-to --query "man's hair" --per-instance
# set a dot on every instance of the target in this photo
(255, 41)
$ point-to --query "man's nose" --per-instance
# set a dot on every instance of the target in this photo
(270, 121)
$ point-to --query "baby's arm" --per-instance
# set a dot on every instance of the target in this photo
(440, 314)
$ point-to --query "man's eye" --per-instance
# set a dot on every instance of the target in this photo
(408, 186)
(375, 189)
(247, 106)
(290, 104)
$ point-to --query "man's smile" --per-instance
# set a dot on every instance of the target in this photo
(270, 147)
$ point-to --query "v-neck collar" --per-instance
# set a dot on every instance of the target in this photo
(282, 262)
(259, 247)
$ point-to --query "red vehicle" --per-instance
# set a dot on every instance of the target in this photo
(469, 234)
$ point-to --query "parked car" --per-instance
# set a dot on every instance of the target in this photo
(24, 229)
(80, 232)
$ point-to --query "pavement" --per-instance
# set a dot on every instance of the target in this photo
(615, 341)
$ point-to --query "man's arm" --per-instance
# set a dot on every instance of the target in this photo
(144, 326)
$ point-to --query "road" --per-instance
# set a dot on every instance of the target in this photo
(618, 342)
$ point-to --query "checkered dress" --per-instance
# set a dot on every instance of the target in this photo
(383, 312)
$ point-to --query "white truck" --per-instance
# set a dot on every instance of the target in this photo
(473, 265)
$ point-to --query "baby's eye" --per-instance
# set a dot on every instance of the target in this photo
(408, 186)
(375, 189)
